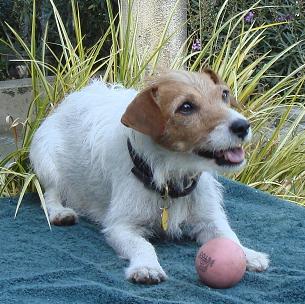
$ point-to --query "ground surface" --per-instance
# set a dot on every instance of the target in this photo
(75, 265)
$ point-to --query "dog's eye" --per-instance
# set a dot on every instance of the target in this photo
(186, 108)
(225, 96)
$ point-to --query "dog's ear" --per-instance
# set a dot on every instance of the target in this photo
(144, 115)
(214, 76)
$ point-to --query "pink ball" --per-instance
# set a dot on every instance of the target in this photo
(220, 263)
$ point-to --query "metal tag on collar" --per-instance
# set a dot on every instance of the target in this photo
(164, 208)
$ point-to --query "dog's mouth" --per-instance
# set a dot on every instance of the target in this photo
(228, 157)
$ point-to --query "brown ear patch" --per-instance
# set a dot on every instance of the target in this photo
(212, 75)
(144, 115)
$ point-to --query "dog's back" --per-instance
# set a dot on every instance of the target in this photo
(73, 149)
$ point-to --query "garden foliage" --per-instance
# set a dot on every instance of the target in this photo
(202, 14)
(277, 153)
(18, 14)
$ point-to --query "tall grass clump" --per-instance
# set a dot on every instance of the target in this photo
(277, 153)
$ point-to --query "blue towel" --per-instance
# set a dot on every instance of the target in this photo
(75, 265)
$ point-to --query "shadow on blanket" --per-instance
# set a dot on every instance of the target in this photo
(75, 265)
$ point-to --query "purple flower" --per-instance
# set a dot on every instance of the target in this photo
(196, 46)
(279, 19)
(249, 18)
(283, 18)
(289, 17)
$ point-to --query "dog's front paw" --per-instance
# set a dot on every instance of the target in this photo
(63, 217)
(146, 274)
(256, 261)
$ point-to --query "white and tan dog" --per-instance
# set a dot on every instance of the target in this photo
(178, 131)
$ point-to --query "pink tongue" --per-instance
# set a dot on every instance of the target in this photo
(235, 155)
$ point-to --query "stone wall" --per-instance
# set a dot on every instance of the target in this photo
(15, 98)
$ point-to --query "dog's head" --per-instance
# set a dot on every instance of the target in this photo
(190, 113)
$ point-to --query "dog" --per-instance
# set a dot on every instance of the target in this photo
(143, 164)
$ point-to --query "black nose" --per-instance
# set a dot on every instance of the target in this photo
(240, 127)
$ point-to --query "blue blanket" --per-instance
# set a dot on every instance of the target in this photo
(75, 265)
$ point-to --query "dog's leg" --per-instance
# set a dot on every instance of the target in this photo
(144, 266)
(219, 227)
(58, 214)
(256, 261)
(210, 221)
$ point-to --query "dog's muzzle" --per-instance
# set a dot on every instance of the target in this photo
(228, 157)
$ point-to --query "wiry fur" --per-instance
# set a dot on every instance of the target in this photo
(80, 156)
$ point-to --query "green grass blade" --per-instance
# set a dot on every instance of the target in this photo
(27, 181)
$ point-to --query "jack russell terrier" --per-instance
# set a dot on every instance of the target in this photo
(143, 163)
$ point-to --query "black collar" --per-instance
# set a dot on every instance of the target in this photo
(143, 172)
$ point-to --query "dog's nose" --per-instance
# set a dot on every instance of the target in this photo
(240, 127)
